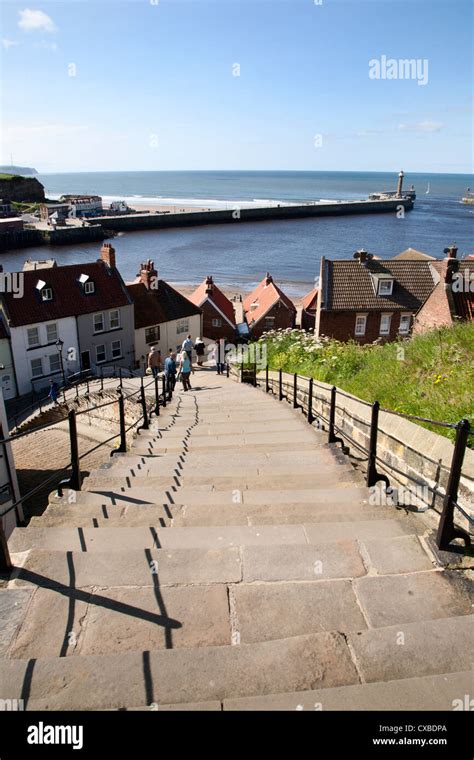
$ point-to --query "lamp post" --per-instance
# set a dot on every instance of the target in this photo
(60, 344)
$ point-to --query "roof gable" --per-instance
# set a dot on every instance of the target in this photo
(158, 305)
(265, 295)
(217, 298)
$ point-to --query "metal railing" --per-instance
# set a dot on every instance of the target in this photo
(74, 481)
(447, 531)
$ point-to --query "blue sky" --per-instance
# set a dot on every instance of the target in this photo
(154, 85)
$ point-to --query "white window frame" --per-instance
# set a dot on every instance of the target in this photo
(89, 287)
(216, 322)
(48, 326)
(97, 360)
(33, 373)
(359, 332)
(390, 288)
(119, 355)
(384, 318)
(405, 316)
(101, 315)
(46, 294)
(117, 313)
(182, 326)
(56, 358)
(35, 343)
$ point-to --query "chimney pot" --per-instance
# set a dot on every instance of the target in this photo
(148, 273)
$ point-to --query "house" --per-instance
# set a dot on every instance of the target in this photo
(57, 212)
(69, 318)
(268, 308)
(82, 205)
(163, 317)
(309, 305)
(218, 318)
(452, 298)
(364, 299)
(9, 490)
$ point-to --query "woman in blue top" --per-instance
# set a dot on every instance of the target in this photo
(185, 370)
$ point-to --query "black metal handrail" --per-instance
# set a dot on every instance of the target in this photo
(75, 480)
(447, 531)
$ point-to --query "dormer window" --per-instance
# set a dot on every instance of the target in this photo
(89, 287)
(385, 287)
(46, 294)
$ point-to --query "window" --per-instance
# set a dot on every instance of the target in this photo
(36, 367)
(116, 349)
(270, 322)
(33, 336)
(54, 363)
(89, 287)
(385, 321)
(360, 325)
(152, 334)
(114, 319)
(51, 332)
(98, 323)
(385, 287)
(47, 294)
(182, 326)
(405, 324)
(217, 322)
(100, 355)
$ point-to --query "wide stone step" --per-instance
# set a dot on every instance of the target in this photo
(176, 676)
(126, 539)
(440, 692)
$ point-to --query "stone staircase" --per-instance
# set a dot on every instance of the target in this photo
(231, 560)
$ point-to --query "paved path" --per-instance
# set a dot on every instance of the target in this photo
(231, 560)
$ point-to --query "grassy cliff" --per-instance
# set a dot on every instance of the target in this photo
(431, 375)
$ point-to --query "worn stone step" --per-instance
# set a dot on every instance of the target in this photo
(407, 598)
(440, 692)
(177, 676)
(422, 648)
(126, 619)
(120, 539)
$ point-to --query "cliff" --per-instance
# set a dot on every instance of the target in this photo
(13, 187)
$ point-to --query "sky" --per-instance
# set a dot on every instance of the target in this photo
(140, 85)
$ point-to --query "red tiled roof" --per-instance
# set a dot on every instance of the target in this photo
(310, 300)
(69, 299)
(264, 296)
(158, 305)
(217, 297)
(464, 298)
(349, 285)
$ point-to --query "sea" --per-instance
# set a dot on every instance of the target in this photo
(239, 254)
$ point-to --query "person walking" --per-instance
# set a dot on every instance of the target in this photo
(53, 391)
(154, 361)
(188, 346)
(200, 348)
(170, 371)
(185, 370)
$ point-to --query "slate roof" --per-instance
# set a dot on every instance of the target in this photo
(218, 298)
(69, 299)
(265, 296)
(158, 305)
(349, 285)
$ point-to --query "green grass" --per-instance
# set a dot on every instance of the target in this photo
(10, 176)
(430, 375)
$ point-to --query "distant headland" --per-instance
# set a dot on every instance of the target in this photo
(26, 171)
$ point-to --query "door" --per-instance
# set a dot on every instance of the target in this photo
(85, 360)
(7, 386)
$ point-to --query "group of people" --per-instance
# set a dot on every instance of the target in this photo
(177, 366)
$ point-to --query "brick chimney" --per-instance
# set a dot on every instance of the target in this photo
(149, 275)
(209, 285)
(268, 279)
(363, 256)
(107, 255)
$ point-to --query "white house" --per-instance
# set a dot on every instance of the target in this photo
(163, 317)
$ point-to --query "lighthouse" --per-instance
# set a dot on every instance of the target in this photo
(400, 183)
